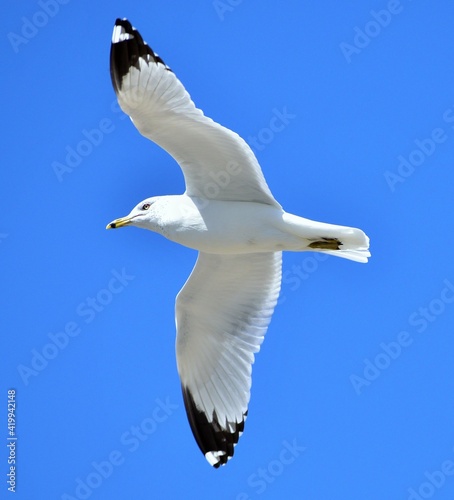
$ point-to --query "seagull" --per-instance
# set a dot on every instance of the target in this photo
(230, 216)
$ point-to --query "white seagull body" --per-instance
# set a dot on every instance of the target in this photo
(230, 216)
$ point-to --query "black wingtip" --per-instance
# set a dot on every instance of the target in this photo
(126, 49)
(216, 443)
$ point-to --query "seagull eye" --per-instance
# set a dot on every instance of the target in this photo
(146, 206)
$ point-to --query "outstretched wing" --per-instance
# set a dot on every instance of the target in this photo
(222, 315)
(216, 162)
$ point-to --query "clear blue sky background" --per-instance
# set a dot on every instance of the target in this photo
(356, 373)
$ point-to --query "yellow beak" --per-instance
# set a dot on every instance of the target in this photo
(123, 221)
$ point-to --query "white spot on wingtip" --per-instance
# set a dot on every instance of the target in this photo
(213, 457)
(119, 34)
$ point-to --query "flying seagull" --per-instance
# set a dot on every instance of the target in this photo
(230, 216)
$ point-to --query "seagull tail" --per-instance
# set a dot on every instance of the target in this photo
(351, 252)
(342, 241)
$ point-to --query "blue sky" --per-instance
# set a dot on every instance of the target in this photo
(352, 394)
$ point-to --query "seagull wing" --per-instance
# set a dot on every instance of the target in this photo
(216, 162)
(222, 315)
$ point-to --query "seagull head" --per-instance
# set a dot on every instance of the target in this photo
(142, 215)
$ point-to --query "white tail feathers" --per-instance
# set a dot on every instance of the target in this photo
(342, 241)
(358, 255)
(353, 245)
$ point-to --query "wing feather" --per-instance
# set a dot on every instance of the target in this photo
(222, 315)
(216, 162)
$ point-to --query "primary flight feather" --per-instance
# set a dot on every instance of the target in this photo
(230, 216)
